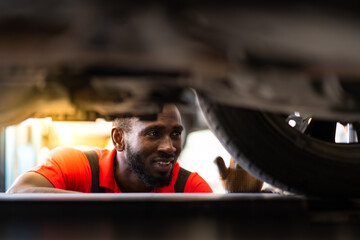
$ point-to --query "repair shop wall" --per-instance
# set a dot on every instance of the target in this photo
(21, 147)
(27, 143)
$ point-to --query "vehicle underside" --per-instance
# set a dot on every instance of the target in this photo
(271, 78)
(251, 66)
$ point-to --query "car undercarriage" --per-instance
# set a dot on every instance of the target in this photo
(251, 66)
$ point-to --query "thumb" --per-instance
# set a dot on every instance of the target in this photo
(222, 167)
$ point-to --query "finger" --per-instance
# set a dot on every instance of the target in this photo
(222, 167)
(232, 163)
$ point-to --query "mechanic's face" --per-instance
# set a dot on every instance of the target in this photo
(152, 148)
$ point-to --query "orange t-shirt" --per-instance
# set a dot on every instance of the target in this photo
(68, 169)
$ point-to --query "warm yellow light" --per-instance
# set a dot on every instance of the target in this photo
(64, 132)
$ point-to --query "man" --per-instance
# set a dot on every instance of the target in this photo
(144, 160)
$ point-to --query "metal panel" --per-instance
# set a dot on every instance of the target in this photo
(176, 216)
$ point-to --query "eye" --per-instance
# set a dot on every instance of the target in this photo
(176, 134)
(152, 133)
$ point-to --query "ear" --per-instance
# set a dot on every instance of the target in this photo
(117, 137)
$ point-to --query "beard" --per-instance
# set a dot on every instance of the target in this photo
(136, 164)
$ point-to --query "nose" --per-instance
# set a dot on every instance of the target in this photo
(166, 145)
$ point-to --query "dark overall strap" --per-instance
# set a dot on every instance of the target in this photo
(94, 166)
(181, 180)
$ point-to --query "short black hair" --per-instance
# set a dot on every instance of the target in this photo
(124, 123)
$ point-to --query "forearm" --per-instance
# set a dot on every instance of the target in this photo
(32, 189)
(32, 182)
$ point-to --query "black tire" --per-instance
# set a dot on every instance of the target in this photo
(266, 146)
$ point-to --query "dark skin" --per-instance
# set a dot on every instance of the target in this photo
(150, 141)
(236, 179)
(156, 144)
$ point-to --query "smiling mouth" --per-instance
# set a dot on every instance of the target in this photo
(164, 163)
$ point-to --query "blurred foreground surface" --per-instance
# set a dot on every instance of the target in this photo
(177, 216)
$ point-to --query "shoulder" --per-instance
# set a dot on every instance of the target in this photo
(66, 152)
(196, 183)
(65, 161)
(66, 168)
(69, 155)
(67, 158)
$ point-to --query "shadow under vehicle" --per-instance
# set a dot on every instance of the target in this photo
(252, 66)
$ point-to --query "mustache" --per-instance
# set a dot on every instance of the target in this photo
(165, 155)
